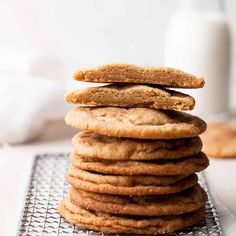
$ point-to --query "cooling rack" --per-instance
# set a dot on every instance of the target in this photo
(47, 186)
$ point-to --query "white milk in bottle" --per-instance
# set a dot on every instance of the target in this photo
(198, 42)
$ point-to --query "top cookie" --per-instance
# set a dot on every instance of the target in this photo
(219, 140)
(125, 73)
(131, 95)
(140, 123)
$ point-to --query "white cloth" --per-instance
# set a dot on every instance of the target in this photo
(26, 104)
(29, 94)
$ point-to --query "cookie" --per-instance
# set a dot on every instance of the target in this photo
(141, 123)
(187, 201)
(123, 180)
(220, 140)
(114, 224)
(182, 166)
(138, 190)
(130, 95)
(111, 148)
(126, 73)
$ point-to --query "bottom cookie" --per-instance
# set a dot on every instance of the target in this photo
(109, 223)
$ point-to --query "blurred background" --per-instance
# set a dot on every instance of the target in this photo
(43, 42)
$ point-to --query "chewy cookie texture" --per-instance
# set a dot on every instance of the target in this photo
(135, 159)
(132, 96)
(126, 73)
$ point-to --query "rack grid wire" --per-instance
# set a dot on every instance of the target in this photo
(47, 186)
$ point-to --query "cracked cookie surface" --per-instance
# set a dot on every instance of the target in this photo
(141, 123)
(112, 148)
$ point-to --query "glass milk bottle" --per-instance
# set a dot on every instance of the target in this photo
(198, 42)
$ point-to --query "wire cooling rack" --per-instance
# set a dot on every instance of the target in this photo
(47, 186)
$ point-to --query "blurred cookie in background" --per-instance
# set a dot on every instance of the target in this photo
(219, 141)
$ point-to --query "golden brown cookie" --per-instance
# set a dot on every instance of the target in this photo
(126, 73)
(141, 123)
(182, 166)
(138, 190)
(123, 180)
(186, 201)
(220, 140)
(131, 95)
(111, 148)
(110, 223)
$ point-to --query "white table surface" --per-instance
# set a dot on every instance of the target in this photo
(15, 168)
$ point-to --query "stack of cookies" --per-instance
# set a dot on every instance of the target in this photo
(134, 162)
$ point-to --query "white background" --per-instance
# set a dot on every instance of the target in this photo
(92, 32)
